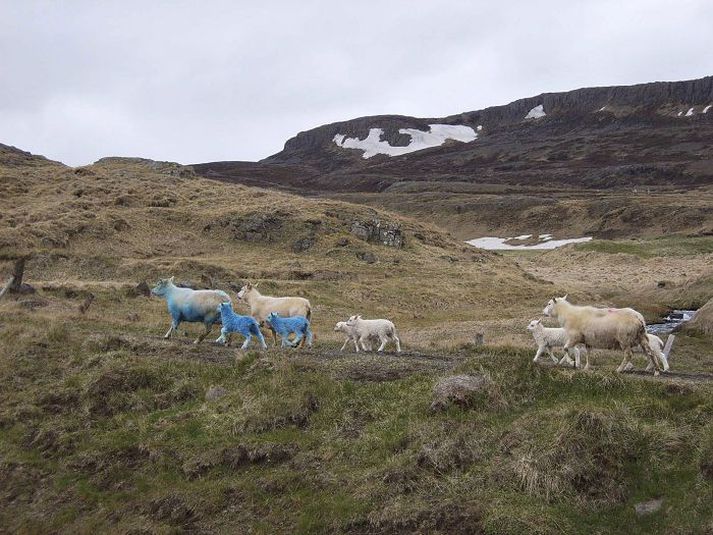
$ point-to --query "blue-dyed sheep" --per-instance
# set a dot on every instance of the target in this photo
(189, 305)
(234, 323)
(284, 326)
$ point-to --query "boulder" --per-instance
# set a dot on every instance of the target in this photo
(648, 507)
(303, 244)
(215, 392)
(369, 258)
(458, 389)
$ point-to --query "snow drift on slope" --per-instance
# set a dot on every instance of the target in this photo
(436, 136)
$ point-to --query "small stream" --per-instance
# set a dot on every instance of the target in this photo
(671, 321)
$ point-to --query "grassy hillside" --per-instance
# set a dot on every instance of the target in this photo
(123, 221)
(101, 431)
(106, 427)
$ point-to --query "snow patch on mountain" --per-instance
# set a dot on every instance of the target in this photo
(545, 242)
(536, 112)
(705, 110)
(435, 137)
(689, 112)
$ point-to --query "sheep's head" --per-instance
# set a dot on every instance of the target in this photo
(352, 320)
(272, 316)
(246, 289)
(341, 327)
(162, 286)
(549, 310)
(533, 325)
(224, 306)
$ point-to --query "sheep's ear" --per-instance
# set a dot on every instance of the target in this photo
(565, 297)
(256, 285)
(358, 316)
(171, 279)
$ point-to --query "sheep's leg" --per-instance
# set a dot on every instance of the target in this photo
(173, 328)
(398, 343)
(208, 328)
(246, 343)
(586, 354)
(552, 356)
(222, 338)
(568, 359)
(539, 352)
(363, 343)
(261, 339)
(383, 339)
(345, 344)
(309, 338)
(627, 360)
(660, 357)
(577, 359)
(565, 360)
(298, 338)
(653, 359)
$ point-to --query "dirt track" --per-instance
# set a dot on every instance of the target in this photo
(387, 366)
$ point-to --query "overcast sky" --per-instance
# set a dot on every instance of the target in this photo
(210, 80)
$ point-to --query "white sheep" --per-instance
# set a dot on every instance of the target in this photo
(381, 328)
(547, 338)
(261, 305)
(604, 328)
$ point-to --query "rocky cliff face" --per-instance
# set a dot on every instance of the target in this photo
(649, 134)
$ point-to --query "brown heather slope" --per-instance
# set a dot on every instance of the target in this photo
(121, 221)
(107, 428)
(578, 170)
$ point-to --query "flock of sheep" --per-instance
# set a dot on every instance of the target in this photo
(284, 316)
(582, 327)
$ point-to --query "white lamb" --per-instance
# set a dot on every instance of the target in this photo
(381, 328)
(547, 338)
(657, 346)
(342, 327)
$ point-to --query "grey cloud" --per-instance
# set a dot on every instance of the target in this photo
(202, 81)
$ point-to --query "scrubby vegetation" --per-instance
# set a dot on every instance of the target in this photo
(115, 434)
(106, 427)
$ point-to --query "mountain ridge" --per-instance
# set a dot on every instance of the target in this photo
(600, 137)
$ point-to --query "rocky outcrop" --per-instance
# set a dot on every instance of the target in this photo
(376, 231)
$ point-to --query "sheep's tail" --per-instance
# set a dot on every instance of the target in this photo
(309, 314)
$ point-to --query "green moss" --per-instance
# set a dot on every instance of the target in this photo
(297, 446)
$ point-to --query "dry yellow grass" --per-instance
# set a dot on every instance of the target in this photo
(121, 221)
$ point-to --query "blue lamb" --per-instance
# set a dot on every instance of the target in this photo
(284, 326)
(235, 323)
